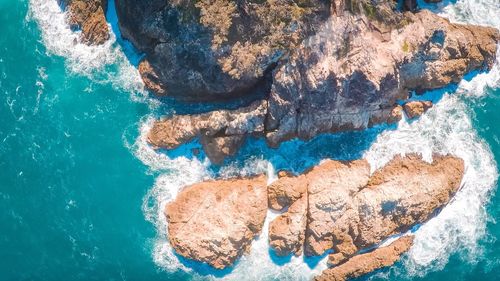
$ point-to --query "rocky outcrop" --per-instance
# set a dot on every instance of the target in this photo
(414, 109)
(215, 222)
(336, 206)
(221, 132)
(89, 16)
(366, 263)
(352, 73)
(349, 210)
(287, 231)
(331, 189)
(215, 49)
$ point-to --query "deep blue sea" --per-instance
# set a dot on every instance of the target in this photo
(81, 192)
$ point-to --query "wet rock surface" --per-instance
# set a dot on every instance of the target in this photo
(221, 132)
(414, 109)
(366, 263)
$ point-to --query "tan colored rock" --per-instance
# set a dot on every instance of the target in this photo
(218, 148)
(286, 190)
(331, 190)
(352, 73)
(221, 132)
(405, 192)
(335, 206)
(287, 231)
(215, 221)
(415, 109)
(89, 16)
(365, 263)
(150, 78)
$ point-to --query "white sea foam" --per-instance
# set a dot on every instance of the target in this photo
(447, 128)
(106, 63)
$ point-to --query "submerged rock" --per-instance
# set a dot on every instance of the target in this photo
(90, 17)
(215, 221)
(365, 263)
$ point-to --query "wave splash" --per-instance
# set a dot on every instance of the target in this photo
(109, 63)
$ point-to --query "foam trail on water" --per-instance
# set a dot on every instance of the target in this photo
(106, 63)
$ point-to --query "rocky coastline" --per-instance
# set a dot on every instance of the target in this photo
(307, 67)
(322, 66)
(332, 83)
(337, 207)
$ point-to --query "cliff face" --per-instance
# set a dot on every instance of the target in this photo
(215, 49)
(347, 68)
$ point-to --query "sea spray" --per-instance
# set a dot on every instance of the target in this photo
(106, 63)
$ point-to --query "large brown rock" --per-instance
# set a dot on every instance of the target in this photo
(215, 49)
(287, 231)
(287, 189)
(348, 210)
(215, 221)
(332, 211)
(415, 109)
(351, 74)
(365, 263)
(90, 17)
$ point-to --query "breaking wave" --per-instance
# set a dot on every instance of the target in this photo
(109, 63)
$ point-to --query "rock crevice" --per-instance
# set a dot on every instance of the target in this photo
(337, 206)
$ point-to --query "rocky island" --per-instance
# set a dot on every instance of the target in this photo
(336, 207)
(306, 67)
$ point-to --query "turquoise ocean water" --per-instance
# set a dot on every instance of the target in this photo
(81, 193)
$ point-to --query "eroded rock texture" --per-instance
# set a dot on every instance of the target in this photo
(352, 71)
(348, 210)
(215, 221)
(215, 49)
(90, 17)
(414, 109)
(365, 263)
(221, 132)
(336, 206)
